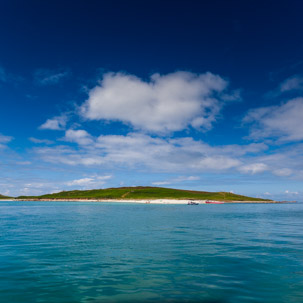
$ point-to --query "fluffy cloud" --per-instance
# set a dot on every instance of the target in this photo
(142, 151)
(285, 161)
(89, 182)
(165, 103)
(49, 77)
(80, 136)
(284, 122)
(56, 123)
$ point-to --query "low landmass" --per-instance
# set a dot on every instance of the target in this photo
(144, 195)
(4, 197)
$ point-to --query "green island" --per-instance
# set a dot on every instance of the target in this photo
(140, 193)
(4, 197)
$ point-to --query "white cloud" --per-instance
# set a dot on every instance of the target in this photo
(31, 185)
(177, 180)
(284, 162)
(284, 122)
(283, 172)
(190, 178)
(89, 182)
(293, 193)
(36, 188)
(141, 152)
(254, 168)
(165, 103)
(50, 77)
(69, 156)
(138, 150)
(293, 83)
(218, 162)
(159, 183)
(40, 141)
(4, 140)
(84, 181)
(56, 123)
(80, 136)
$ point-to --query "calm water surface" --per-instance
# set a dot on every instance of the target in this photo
(93, 252)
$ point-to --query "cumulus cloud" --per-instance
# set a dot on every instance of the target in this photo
(89, 182)
(56, 123)
(137, 150)
(165, 103)
(50, 77)
(284, 162)
(79, 136)
(141, 152)
(180, 155)
(284, 122)
(83, 181)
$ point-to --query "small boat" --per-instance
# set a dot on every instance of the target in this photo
(192, 203)
(214, 202)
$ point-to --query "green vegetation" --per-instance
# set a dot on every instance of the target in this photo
(4, 197)
(131, 193)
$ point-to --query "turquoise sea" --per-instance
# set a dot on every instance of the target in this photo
(94, 252)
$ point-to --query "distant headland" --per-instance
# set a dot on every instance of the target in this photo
(5, 197)
(142, 194)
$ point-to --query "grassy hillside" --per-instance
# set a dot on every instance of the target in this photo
(4, 197)
(131, 193)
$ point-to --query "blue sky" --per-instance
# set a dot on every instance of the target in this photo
(202, 95)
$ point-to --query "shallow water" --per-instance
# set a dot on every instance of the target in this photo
(106, 252)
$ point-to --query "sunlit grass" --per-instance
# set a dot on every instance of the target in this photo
(129, 193)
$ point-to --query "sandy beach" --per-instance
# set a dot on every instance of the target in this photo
(143, 201)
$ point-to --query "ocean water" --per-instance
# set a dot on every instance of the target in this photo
(94, 252)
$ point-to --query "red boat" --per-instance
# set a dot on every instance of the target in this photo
(214, 202)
